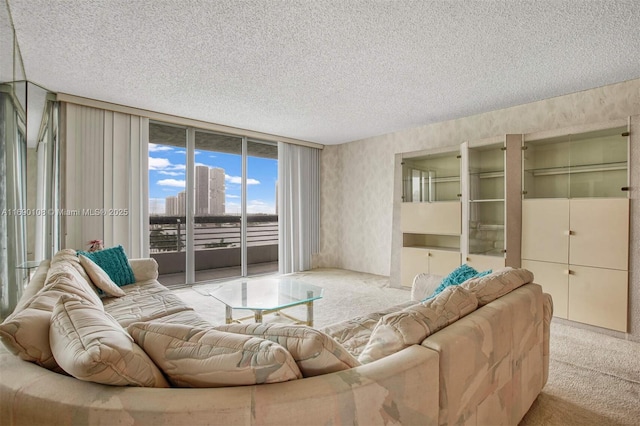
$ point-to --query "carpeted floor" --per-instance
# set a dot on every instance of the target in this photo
(594, 379)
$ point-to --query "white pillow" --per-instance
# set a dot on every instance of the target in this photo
(205, 357)
(413, 324)
(100, 278)
(90, 345)
(315, 352)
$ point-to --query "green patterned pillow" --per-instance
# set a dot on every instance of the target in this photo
(114, 262)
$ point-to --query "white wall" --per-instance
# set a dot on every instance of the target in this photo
(357, 180)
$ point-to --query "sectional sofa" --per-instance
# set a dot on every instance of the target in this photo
(475, 354)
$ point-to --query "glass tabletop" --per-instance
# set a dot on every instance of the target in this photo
(267, 293)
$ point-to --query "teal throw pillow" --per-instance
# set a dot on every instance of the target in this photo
(456, 277)
(115, 263)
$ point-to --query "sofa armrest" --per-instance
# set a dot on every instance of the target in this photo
(144, 269)
(423, 285)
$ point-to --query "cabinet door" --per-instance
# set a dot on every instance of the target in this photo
(444, 217)
(599, 297)
(599, 232)
(545, 230)
(414, 261)
(442, 262)
(482, 263)
(554, 279)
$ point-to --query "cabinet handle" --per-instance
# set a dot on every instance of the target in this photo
(569, 272)
(459, 195)
(625, 188)
(569, 232)
(625, 134)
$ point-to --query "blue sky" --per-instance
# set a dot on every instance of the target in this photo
(167, 177)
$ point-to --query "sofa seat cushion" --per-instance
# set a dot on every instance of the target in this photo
(26, 331)
(353, 334)
(91, 346)
(187, 317)
(143, 301)
(205, 357)
(412, 325)
(315, 352)
(490, 287)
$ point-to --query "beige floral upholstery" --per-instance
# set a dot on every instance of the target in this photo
(210, 358)
(412, 325)
(143, 301)
(490, 287)
(315, 352)
(26, 331)
(485, 368)
(354, 333)
(90, 345)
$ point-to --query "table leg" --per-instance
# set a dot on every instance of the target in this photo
(228, 314)
(310, 313)
(310, 309)
(257, 316)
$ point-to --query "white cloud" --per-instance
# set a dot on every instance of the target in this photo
(164, 172)
(181, 151)
(158, 163)
(171, 182)
(238, 180)
(156, 148)
(259, 206)
(232, 196)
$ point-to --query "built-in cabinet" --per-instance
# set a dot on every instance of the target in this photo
(575, 223)
(430, 214)
(554, 204)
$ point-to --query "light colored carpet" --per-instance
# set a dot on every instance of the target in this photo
(594, 379)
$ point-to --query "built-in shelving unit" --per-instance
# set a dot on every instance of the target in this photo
(575, 223)
(431, 214)
(485, 206)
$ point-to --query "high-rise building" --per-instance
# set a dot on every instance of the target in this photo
(171, 206)
(202, 191)
(216, 191)
(182, 203)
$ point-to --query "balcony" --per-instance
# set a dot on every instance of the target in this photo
(217, 245)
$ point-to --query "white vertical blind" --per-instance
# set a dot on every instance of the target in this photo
(298, 206)
(106, 180)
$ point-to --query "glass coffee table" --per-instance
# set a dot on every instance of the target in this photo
(267, 296)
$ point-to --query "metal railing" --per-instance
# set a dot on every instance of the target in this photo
(168, 233)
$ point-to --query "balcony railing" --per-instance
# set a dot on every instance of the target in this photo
(217, 242)
(168, 233)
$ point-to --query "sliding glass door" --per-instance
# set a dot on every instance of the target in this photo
(212, 205)
(217, 232)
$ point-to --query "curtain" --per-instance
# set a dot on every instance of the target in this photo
(105, 179)
(298, 206)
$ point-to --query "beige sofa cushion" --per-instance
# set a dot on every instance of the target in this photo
(412, 325)
(490, 287)
(205, 357)
(26, 331)
(91, 346)
(66, 262)
(99, 277)
(315, 352)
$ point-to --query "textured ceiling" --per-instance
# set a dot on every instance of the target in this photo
(326, 71)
